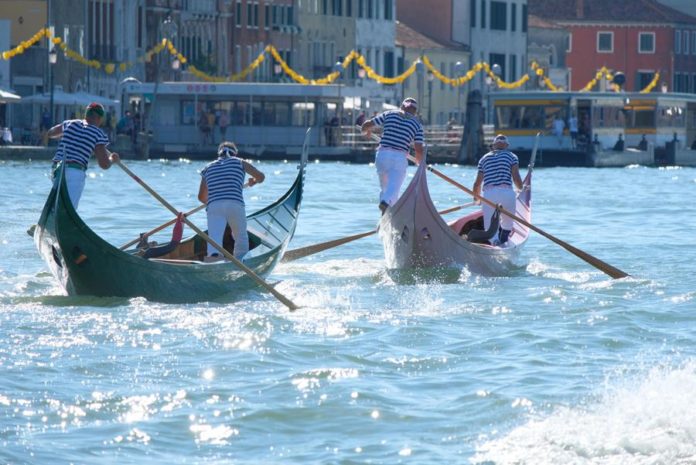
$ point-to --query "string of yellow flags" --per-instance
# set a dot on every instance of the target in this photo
(370, 73)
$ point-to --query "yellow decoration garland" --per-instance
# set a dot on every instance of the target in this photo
(479, 67)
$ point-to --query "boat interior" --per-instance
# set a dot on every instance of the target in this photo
(193, 249)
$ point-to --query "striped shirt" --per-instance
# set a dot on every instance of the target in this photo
(401, 129)
(496, 167)
(79, 141)
(224, 178)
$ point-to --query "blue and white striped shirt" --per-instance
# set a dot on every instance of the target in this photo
(496, 167)
(224, 178)
(401, 129)
(79, 141)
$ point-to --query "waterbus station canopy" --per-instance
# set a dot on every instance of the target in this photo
(65, 98)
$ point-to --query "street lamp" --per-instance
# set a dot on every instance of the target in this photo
(431, 76)
(459, 70)
(52, 60)
(420, 71)
(338, 67)
(491, 85)
(167, 30)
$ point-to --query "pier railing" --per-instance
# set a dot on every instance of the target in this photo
(443, 138)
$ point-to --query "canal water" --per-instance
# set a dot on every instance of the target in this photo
(555, 364)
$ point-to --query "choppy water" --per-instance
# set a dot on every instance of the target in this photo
(558, 364)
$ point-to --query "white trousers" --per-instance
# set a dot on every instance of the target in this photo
(220, 214)
(499, 195)
(75, 181)
(391, 169)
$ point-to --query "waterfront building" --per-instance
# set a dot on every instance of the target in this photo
(636, 37)
(439, 103)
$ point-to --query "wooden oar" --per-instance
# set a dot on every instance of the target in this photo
(594, 261)
(302, 252)
(287, 302)
(168, 223)
(161, 227)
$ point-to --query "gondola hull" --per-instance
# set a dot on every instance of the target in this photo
(85, 264)
(416, 237)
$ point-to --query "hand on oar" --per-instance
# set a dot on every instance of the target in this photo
(302, 252)
(594, 261)
(287, 302)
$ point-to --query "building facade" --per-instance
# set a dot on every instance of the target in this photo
(439, 103)
(636, 37)
(256, 24)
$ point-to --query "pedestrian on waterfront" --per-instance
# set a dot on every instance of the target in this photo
(573, 129)
(223, 122)
(498, 170)
(210, 115)
(400, 130)
(203, 126)
(79, 139)
(6, 136)
(360, 119)
(558, 127)
(221, 187)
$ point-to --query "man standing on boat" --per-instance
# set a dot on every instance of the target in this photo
(497, 171)
(401, 129)
(79, 139)
(221, 187)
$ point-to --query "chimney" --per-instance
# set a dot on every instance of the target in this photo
(579, 9)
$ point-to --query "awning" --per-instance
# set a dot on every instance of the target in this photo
(64, 98)
(8, 97)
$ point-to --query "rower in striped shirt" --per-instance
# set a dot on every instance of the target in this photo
(401, 129)
(221, 187)
(79, 139)
(497, 171)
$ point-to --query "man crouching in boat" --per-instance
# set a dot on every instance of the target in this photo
(221, 187)
(401, 128)
(79, 139)
(497, 170)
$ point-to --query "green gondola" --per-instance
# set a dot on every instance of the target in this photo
(85, 264)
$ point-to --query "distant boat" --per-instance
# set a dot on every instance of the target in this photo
(416, 237)
(85, 264)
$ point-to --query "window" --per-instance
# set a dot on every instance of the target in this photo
(498, 16)
(605, 42)
(250, 15)
(291, 16)
(349, 8)
(644, 78)
(267, 16)
(677, 42)
(388, 13)
(513, 67)
(646, 42)
(238, 14)
(472, 13)
(513, 17)
(524, 18)
(361, 8)
(687, 42)
(483, 14)
(693, 43)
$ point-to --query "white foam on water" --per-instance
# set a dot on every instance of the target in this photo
(649, 419)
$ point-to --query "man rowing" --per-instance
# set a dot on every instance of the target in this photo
(79, 139)
(401, 129)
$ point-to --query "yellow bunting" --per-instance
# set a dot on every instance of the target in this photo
(109, 68)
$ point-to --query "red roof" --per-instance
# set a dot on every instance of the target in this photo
(615, 11)
(408, 37)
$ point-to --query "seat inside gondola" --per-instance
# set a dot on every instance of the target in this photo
(195, 248)
(473, 230)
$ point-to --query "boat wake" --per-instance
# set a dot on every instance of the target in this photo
(645, 422)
